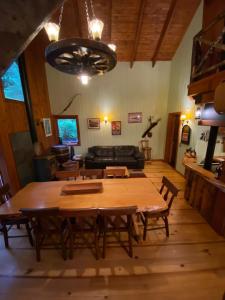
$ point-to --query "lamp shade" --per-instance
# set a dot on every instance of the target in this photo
(52, 30)
(96, 28)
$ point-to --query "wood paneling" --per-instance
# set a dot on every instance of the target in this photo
(122, 23)
(37, 82)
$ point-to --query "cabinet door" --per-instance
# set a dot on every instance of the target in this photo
(218, 217)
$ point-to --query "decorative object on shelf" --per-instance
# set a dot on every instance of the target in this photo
(93, 123)
(47, 126)
(186, 134)
(189, 156)
(135, 117)
(81, 57)
(116, 127)
(150, 127)
(198, 113)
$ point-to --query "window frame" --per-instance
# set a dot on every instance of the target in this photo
(24, 84)
(56, 117)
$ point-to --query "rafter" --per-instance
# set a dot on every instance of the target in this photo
(164, 29)
(138, 31)
(77, 17)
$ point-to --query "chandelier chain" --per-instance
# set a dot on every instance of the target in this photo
(92, 9)
(60, 16)
(88, 18)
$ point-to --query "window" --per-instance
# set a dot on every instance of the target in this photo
(68, 130)
(12, 85)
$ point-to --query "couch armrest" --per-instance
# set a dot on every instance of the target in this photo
(139, 155)
(89, 156)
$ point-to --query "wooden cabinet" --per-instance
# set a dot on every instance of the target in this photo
(207, 195)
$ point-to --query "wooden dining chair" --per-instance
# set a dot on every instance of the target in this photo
(91, 173)
(8, 222)
(81, 224)
(67, 175)
(117, 220)
(49, 228)
(169, 192)
(114, 173)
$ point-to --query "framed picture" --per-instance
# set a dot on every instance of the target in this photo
(116, 127)
(135, 117)
(186, 134)
(47, 126)
(93, 123)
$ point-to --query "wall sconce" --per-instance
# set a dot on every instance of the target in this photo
(106, 120)
(184, 119)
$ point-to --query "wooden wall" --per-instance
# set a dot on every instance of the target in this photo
(13, 116)
(37, 81)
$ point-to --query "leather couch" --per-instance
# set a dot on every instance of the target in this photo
(99, 157)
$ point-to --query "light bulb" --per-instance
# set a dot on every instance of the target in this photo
(84, 79)
(106, 119)
(95, 28)
(52, 30)
(112, 47)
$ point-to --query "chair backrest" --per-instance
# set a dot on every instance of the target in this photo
(113, 173)
(43, 219)
(4, 193)
(117, 211)
(81, 212)
(66, 175)
(91, 173)
(170, 191)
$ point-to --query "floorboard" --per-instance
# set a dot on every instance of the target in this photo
(188, 265)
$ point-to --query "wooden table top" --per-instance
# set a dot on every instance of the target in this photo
(116, 193)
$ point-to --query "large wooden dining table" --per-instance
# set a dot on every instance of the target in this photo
(139, 192)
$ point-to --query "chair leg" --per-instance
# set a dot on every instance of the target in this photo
(5, 234)
(62, 242)
(96, 244)
(145, 228)
(104, 238)
(165, 219)
(130, 236)
(38, 247)
(71, 243)
(29, 234)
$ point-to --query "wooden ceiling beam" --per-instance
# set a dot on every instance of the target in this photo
(164, 29)
(138, 31)
(77, 17)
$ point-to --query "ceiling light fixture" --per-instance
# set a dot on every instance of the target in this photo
(82, 57)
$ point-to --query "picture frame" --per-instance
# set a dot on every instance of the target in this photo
(186, 134)
(135, 117)
(93, 123)
(47, 126)
(116, 127)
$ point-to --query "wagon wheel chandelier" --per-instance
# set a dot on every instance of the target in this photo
(77, 56)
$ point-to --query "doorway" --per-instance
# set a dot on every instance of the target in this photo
(172, 138)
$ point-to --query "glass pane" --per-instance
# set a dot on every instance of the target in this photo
(12, 86)
(68, 131)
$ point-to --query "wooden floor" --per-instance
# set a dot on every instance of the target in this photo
(190, 264)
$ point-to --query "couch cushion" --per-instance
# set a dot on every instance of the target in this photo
(104, 151)
(103, 159)
(124, 159)
(122, 151)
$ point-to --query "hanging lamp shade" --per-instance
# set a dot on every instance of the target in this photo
(52, 30)
(96, 28)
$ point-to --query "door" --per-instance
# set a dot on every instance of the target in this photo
(172, 137)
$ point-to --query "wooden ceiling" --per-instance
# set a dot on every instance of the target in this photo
(143, 30)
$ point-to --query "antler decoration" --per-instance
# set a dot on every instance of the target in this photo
(151, 125)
